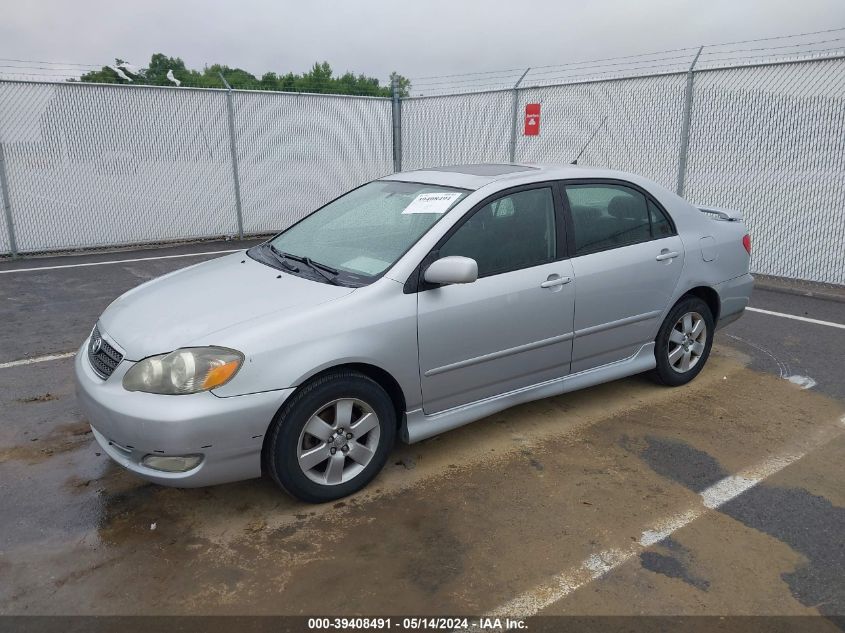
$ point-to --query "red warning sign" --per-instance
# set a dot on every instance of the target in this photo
(532, 119)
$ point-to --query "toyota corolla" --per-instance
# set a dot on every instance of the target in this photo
(407, 307)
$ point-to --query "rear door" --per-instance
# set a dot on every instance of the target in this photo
(627, 259)
(512, 327)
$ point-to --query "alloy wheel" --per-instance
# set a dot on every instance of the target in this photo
(338, 441)
(687, 341)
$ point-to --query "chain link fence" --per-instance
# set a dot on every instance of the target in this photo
(90, 166)
(765, 139)
(641, 132)
(455, 129)
(87, 166)
(297, 151)
(770, 141)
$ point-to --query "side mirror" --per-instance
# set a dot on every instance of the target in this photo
(452, 270)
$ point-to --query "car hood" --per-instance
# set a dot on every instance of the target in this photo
(177, 309)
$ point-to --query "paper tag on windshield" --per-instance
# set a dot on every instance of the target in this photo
(437, 202)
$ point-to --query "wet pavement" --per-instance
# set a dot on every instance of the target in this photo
(460, 524)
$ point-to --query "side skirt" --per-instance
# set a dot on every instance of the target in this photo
(419, 426)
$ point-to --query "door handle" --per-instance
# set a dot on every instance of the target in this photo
(557, 281)
(664, 255)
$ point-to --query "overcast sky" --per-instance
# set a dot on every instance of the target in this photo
(416, 38)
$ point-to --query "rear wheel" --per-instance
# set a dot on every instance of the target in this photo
(332, 437)
(683, 342)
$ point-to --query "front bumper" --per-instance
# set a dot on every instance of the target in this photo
(227, 432)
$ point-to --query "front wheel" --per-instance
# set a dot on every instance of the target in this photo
(683, 342)
(332, 437)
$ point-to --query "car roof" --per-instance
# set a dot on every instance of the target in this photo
(476, 175)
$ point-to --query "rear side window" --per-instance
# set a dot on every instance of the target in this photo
(609, 216)
(660, 225)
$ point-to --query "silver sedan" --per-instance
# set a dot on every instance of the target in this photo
(407, 307)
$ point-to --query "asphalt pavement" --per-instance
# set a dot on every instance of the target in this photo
(723, 497)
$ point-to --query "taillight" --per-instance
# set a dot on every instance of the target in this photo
(746, 242)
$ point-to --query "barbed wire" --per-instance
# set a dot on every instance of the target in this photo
(632, 56)
(768, 48)
(34, 61)
(555, 67)
(688, 58)
(634, 65)
(800, 55)
(655, 62)
(777, 37)
(685, 58)
(439, 83)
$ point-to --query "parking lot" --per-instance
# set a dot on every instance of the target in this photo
(722, 497)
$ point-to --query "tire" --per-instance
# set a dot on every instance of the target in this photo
(306, 455)
(680, 349)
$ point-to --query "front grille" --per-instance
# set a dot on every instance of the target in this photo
(103, 357)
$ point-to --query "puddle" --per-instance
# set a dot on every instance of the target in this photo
(810, 524)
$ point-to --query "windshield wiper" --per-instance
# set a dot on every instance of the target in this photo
(282, 258)
(326, 272)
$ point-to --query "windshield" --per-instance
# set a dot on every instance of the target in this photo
(365, 231)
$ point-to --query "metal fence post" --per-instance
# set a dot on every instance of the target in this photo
(397, 125)
(515, 115)
(233, 150)
(5, 198)
(685, 124)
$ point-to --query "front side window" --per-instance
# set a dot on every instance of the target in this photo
(607, 216)
(515, 231)
(366, 231)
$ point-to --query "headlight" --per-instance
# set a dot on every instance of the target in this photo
(187, 370)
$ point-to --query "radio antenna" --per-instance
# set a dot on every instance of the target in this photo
(590, 140)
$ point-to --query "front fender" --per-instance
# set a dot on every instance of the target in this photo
(375, 325)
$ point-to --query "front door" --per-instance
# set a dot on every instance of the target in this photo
(513, 326)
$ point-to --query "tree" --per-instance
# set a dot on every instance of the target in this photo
(403, 84)
(105, 75)
(319, 79)
(156, 73)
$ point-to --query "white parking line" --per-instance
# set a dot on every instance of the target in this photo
(37, 359)
(599, 564)
(795, 317)
(116, 261)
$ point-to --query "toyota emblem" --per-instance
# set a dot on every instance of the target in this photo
(96, 345)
